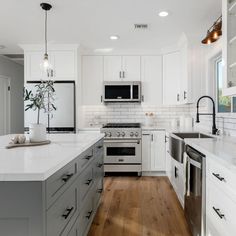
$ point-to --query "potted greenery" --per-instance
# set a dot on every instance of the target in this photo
(42, 100)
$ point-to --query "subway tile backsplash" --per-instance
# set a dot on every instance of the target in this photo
(163, 115)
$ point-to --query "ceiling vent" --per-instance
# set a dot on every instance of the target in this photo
(141, 26)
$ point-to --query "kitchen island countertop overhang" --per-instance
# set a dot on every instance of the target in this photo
(40, 162)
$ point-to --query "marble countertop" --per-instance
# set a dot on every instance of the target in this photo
(221, 149)
(39, 162)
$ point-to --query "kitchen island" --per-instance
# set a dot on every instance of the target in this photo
(53, 189)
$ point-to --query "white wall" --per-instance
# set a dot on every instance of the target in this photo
(16, 73)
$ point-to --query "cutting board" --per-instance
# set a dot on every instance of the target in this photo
(27, 144)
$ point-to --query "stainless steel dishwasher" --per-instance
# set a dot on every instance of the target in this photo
(195, 196)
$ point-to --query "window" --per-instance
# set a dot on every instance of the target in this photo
(225, 104)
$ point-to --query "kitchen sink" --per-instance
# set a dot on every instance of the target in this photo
(177, 144)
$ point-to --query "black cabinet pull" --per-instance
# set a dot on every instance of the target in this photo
(89, 214)
(89, 181)
(67, 212)
(100, 190)
(176, 172)
(218, 177)
(100, 165)
(67, 177)
(99, 147)
(88, 157)
(185, 95)
(217, 210)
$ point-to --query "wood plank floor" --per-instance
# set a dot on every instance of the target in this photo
(139, 206)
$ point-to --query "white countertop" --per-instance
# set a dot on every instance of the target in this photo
(39, 162)
(220, 149)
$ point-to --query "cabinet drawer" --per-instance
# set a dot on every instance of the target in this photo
(221, 211)
(85, 182)
(98, 147)
(62, 212)
(222, 178)
(85, 217)
(85, 158)
(58, 182)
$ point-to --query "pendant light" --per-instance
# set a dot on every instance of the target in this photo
(45, 65)
(214, 33)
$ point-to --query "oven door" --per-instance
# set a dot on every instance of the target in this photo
(122, 151)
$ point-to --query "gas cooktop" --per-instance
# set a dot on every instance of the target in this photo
(122, 125)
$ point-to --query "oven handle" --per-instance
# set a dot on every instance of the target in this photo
(122, 141)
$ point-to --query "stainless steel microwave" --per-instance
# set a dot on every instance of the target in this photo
(116, 91)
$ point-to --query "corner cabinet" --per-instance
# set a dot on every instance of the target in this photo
(153, 151)
(63, 59)
(229, 47)
(122, 68)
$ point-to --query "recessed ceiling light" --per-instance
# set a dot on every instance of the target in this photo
(163, 13)
(2, 46)
(114, 37)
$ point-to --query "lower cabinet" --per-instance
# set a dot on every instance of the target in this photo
(177, 179)
(153, 151)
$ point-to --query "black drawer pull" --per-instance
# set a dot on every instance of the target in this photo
(67, 177)
(88, 157)
(217, 210)
(100, 190)
(218, 177)
(67, 212)
(120, 160)
(100, 165)
(89, 214)
(89, 181)
(99, 147)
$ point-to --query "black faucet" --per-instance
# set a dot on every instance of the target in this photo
(213, 114)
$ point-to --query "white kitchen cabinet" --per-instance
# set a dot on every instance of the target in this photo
(171, 78)
(122, 68)
(229, 47)
(63, 59)
(177, 179)
(153, 151)
(220, 198)
(92, 79)
(151, 78)
(168, 157)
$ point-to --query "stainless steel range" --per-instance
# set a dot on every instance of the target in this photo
(122, 146)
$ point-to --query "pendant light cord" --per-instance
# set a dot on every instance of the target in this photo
(46, 47)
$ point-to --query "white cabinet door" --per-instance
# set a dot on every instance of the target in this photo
(158, 161)
(64, 65)
(171, 78)
(151, 77)
(153, 151)
(33, 71)
(92, 77)
(112, 68)
(146, 151)
(131, 68)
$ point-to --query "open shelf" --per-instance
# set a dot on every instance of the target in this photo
(231, 66)
(232, 40)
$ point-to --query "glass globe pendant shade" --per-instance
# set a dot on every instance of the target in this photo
(45, 65)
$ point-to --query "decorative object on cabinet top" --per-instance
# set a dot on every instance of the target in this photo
(214, 32)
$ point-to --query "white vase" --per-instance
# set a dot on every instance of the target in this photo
(37, 133)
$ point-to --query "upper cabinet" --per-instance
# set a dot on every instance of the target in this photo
(122, 68)
(229, 47)
(151, 78)
(62, 58)
(92, 79)
(171, 78)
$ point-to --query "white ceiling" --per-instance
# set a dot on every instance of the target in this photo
(91, 22)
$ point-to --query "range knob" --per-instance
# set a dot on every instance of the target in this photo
(136, 134)
(107, 134)
(123, 134)
(131, 134)
(118, 134)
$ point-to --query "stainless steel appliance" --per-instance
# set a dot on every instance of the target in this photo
(122, 147)
(195, 196)
(122, 91)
